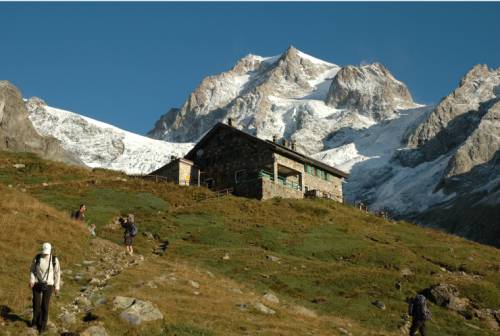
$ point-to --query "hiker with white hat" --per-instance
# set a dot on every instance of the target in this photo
(45, 277)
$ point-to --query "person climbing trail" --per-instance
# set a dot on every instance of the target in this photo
(45, 278)
(130, 232)
(80, 213)
(92, 229)
(420, 313)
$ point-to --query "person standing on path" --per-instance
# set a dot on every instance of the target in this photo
(420, 313)
(45, 278)
(130, 232)
(80, 213)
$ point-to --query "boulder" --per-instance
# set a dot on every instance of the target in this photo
(141, 311)
(194, 284)
(68, 319)
(83, 302)
(263, 309)
(270, 297)
(447, 295)
(122, 302)
(272, 258)
(96, 330)
(379, 304)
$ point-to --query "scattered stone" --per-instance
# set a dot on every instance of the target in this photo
(210, 274)
(88, 262)
(489, 317)
(148, 235)
(45, 184)
(405, 271)
(272, 258)
(100, 301)
(19, 165)
(31, 332)
(236, 290)
(226, 257)
(194, 284)
(51, 326)
(344, 331)
(141, 311)
(83, 302)
(122, 302)
(94, 282)
(263, 309)
(68, 319)
(96, 330)
(196, 293)
(379, 304)
(446, 295)
(303, 311)
(151, 284)
(270, 297)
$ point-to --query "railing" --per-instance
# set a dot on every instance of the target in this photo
(281, 180)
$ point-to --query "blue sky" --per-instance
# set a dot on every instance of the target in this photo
(128, 63)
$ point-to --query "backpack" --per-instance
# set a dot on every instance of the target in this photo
(133, 230)
(418, 308)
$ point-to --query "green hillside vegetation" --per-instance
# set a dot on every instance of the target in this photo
(327, 257)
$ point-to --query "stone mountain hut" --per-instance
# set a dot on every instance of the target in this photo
(227, 158)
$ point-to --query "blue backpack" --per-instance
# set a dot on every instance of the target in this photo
(133, 230)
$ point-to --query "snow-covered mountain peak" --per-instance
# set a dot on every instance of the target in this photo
(98, 144)
(370, 90)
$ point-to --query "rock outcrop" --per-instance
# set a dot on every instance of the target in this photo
(17, 132)
(370, 90)
(455, 119)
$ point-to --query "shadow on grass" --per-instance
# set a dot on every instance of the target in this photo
(7, 314)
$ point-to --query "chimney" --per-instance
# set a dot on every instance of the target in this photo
(230, 122)
(173, 157)
(293, 145)
(275, 138)
(284, 142)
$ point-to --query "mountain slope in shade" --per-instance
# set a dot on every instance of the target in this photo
(438, 165)
(101, 145)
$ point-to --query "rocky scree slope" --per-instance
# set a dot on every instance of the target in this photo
(17, 132)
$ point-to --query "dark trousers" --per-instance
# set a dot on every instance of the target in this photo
(419, 325)
(41, 300)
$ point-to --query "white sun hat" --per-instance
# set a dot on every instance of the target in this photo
(46, 248)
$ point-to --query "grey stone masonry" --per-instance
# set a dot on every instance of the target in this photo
(227, 158)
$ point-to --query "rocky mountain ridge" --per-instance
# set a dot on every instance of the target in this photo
(100, 145)
(17, 133)
(403, 157)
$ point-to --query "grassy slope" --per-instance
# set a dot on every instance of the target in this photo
(334, 259)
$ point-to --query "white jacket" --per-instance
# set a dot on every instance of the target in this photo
(37, 272)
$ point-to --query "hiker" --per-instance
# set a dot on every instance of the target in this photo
(420, 313)
(80, 213)
(45, 278)
(130, 232)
